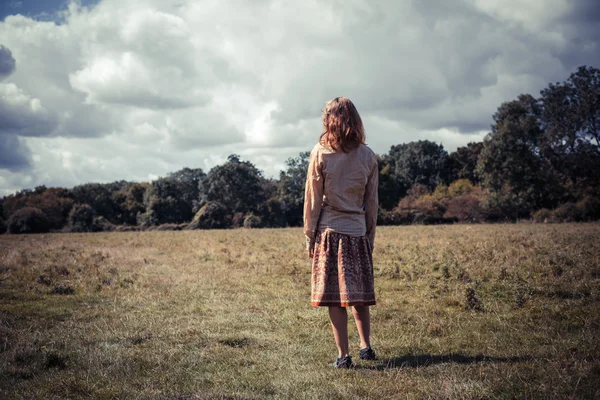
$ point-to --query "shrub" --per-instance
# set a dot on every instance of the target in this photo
(252, 221)
(2, 226)
(101, 224)
(567, 212)
(464, 208)
(28, 220)
(81, 218)
(460, 187)
(238, 220)
(212, 216)
(589, 208)
(428, 210)
(543, 215)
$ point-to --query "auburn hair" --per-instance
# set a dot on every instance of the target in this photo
(343, 127)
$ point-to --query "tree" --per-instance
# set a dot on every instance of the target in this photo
(81, 218)
(28, 220)
(236, 185)
(510, 163)
(291, 186)
(389, 190)
(130, 202)
(570, 119)
(212, 215)
(463, 162)
(188, 181)
(423, 162)
(99, 197)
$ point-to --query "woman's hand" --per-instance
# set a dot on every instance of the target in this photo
(310, 251)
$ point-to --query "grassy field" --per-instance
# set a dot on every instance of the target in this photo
(464, 312)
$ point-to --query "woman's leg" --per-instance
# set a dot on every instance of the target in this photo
(363, 324)
(339, 323)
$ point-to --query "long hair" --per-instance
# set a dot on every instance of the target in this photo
(343, 128)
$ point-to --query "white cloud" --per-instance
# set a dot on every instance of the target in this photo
(133, 90)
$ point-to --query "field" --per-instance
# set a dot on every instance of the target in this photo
(464, 312)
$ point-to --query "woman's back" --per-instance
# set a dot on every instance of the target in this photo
(348, 186)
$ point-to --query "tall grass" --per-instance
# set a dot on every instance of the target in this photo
(464, 312)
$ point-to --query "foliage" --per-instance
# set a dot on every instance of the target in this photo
(212, 215)
(81, 218)
(3, 226)
(463, 162)
(272, 213)
(252, 221)
(99, 196)
(510, 164)
(389, 190)
(55, 203)
(464, 208)
(291, 188)
(421, 162)
(460, 187)
(236, 185)
(571, 121)
(171, 199)
(28, 220)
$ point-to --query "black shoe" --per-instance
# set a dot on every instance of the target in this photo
(367, 354)
(343, 362)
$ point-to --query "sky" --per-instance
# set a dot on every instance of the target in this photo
(100, 91)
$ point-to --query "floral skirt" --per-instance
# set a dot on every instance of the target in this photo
(342, 270)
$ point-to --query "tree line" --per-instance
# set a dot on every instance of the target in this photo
(540, 161)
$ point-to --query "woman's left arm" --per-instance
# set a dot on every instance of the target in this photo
(313, 198)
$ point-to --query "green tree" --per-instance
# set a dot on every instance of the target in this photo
(81, 218)
(570, 119)
(291, 186)
(389, 190)
(423, 162)
(187, 180)
(510, 163)
(28, 220)
(237, 185)
(463, 162)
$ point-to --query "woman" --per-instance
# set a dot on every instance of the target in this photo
(340, 214)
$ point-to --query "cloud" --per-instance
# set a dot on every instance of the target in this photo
(131, 90)
(7, 62)
(14, 155)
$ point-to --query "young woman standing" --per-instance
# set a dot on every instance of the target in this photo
(340, 215)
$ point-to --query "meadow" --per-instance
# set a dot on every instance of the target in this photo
(496, 311)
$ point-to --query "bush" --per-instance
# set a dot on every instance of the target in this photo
(543, 215)
(238, 220)
(252, 221)
(428, 210)
(212, 216)
(28, 220)
(81, 218)
(567, 212)
(464, 208)
(2, 226)
(589, 208)
(460, 187)
(101, 224)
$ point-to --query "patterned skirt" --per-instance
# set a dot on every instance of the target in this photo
(342, 270)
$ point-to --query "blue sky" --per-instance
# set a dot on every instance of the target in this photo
(38, 9)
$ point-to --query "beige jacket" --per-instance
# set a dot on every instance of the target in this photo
(341, 192)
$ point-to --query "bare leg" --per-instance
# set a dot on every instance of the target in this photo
(363, 324)
(339, 323)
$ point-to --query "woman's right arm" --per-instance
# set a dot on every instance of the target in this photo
(372, 203)
(313, 197)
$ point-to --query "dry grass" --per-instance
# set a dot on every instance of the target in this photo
(464, 312)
